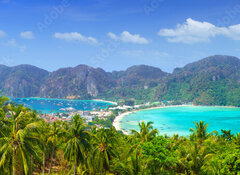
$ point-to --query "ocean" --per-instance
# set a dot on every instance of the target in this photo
(48, 105)
(178, 120)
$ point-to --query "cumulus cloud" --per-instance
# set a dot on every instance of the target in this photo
(127, 37)
(194, 31)
(27, 35)
(2, 34)
(13, 43)
(74, 36)
(234, 32)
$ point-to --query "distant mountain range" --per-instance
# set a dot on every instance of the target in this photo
(213, 80)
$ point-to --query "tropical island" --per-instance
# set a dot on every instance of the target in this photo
(123, 87)
(68, 139)
(30, 145)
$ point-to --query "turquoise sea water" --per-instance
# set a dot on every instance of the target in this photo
(47, 105)
(178, 120)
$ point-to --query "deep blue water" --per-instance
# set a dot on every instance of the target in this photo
(178, 120)
(47, 105)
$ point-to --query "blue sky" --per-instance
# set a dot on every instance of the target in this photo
(116, 34)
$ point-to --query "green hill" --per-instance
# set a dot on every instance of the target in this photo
(213, 80)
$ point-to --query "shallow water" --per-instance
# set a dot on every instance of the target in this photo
(178, 120)
(47, 105)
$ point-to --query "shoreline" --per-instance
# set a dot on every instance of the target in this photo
(117, 120)
(115, 103)
(100, 100)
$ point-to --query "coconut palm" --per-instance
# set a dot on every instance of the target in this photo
(131, 165)
(44, 137)
(3, 101)
(105, 143)
(214, 167)
(236, 139)
(200, 132)
(146, 132)
(77, 143)
(199, 157)
(18, 139)
(193, 158)
(54, 133)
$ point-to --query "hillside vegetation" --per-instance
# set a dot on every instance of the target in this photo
(210, 81)
(213, 80)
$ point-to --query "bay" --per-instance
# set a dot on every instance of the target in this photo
(48, 105)
(178, 120)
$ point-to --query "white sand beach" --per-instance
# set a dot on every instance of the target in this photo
(116, 122)
(115, 103)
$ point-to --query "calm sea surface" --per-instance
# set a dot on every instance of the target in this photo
(47, 105)
(178, 120)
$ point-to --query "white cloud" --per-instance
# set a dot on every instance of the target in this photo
(234, 32)
(2, 34)
(14, 43)
(74, 36)
(27, 35)
(128, 38)
(194, 31)
(112, 36)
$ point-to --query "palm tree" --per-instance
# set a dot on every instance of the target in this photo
(93, 130)
(77, 143)
(3, 100)
(44, 136)
(199, 157)
(18, 139)
(193, 158)
(200, 132)
(214, 167)
(54, 133)
(146, 133)
(130, 166)
(105, 143)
